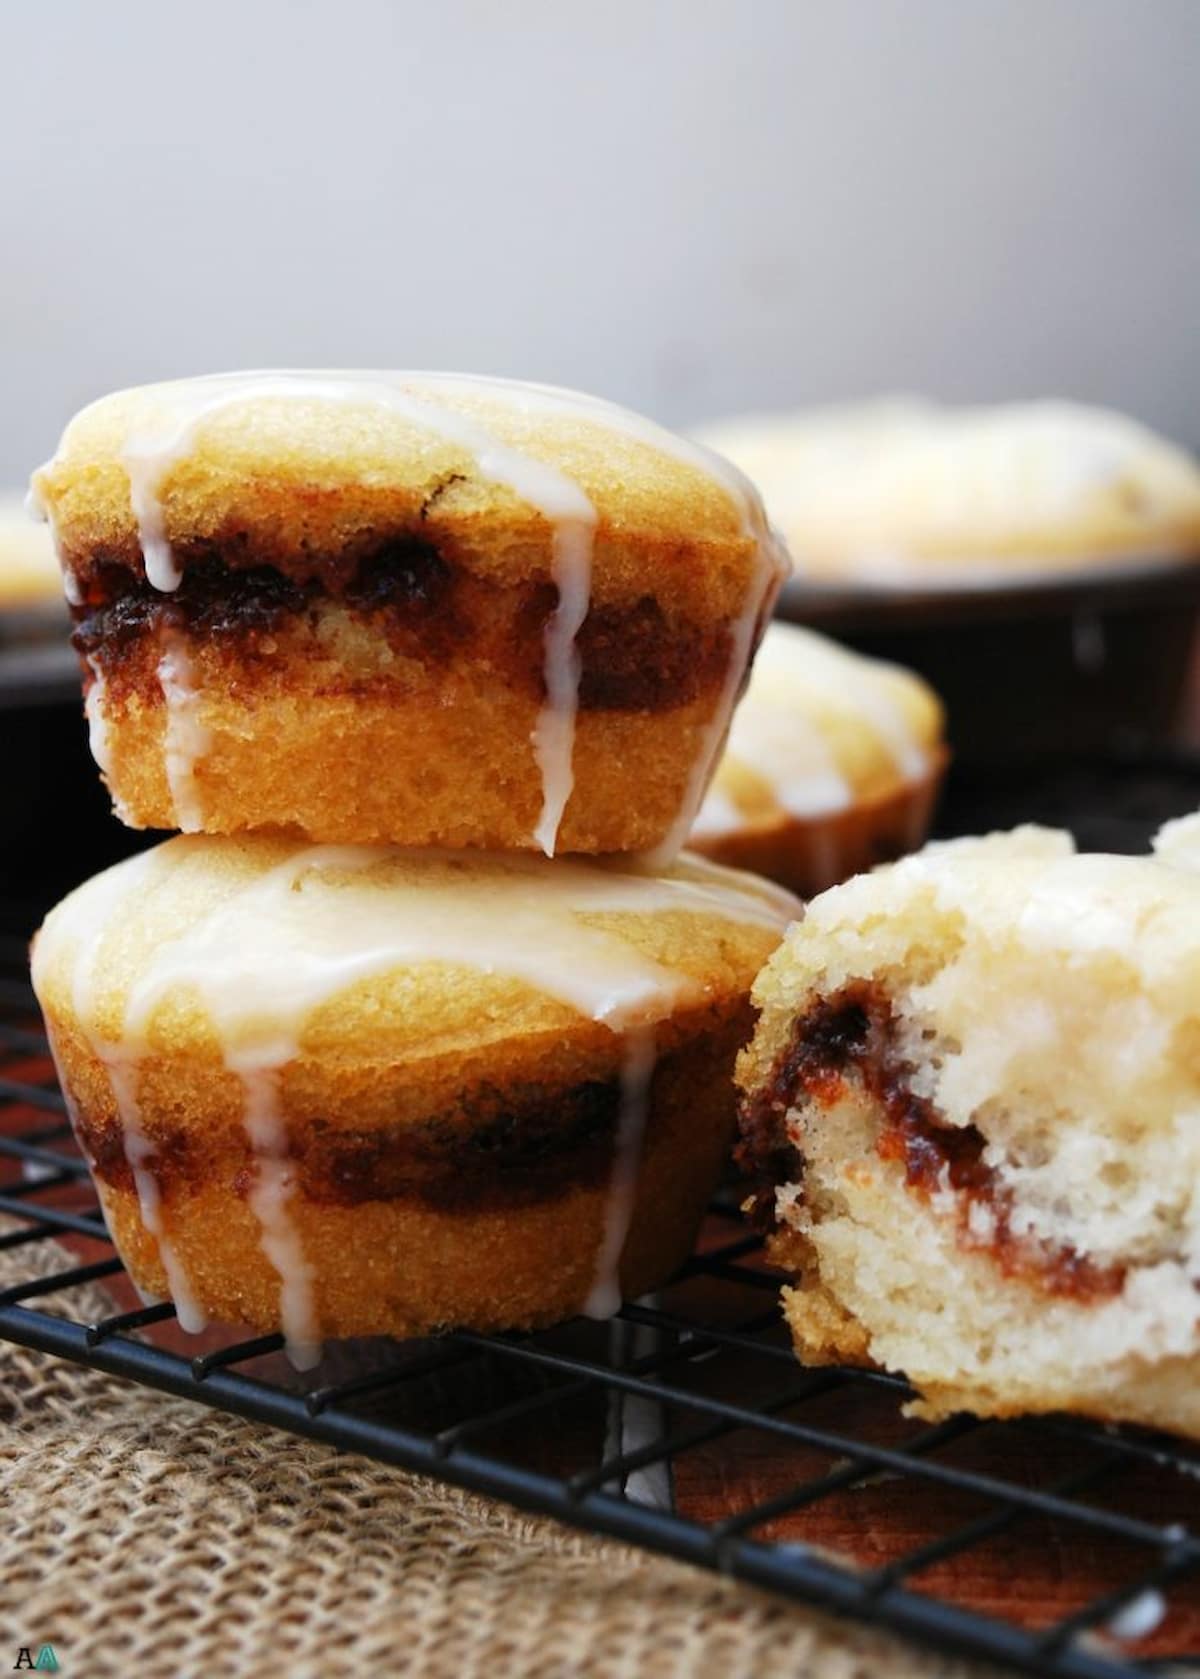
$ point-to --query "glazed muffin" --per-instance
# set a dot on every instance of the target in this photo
(415, 608)
(28, 575)
(359, 1090)
(972, 1103)
(911, 495)
(833, 764)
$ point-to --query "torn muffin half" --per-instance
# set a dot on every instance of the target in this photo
(972, 1111)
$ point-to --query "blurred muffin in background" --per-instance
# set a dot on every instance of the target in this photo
(1034, 561)
(912, 494)
(833, 764)
(29, 574)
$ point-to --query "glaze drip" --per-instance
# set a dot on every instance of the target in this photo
(604, 1297)
(140, 1152)
(269, 1197)
(93, 710)
(136, 874)
(186, 739)
(554, 732)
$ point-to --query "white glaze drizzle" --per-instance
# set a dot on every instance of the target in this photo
(276, 949)
(516, 917)
(99, 734)
(147, 467)
(93, 710)
(554, 731)
(140, 1152)
(688, 451)
(637, 1069)
(268, 1198)
(148, 458)
(105, 894)
(186, 740)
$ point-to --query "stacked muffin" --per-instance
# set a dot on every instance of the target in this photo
(913, 496)
(363, 1052)
(1035, 561)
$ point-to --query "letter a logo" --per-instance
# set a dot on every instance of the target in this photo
(47, 1661)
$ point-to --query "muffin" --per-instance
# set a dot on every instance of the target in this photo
(833, 764)
(973, 1105)
(416, 608)
(361, 1090)
(910, 494)
(1035, 562)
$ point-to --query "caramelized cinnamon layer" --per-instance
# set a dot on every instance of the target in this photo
(425, 606)
(488, 1154)
(849, 1040)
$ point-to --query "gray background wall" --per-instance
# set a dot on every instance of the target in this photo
(690, 205)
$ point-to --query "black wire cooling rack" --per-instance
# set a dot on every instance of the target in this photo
(1054, 1546)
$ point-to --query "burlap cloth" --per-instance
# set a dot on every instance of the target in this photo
(146, 1535)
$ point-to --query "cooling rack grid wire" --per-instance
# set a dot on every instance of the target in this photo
(1057, 1547)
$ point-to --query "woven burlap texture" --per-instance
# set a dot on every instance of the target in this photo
(144, 1534)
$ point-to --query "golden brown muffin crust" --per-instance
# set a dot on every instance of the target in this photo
(502, 1143)
(310, 485)
(375, 588)
(643, 656)
(451, 1124)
